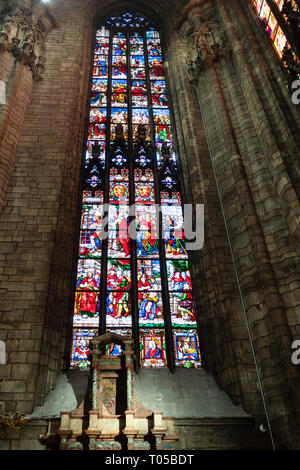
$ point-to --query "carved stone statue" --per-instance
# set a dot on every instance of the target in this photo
(206, 43)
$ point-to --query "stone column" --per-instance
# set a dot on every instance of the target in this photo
(257, 193)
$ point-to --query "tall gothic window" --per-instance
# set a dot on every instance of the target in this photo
(133, 273)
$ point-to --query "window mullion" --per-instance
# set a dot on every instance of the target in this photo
(103, 285)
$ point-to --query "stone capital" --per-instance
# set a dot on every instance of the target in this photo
(23, 27)
(205, 38)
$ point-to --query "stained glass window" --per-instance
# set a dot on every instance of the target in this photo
(133, 275)
(277, 35)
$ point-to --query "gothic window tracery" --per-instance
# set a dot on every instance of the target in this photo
(133, 275)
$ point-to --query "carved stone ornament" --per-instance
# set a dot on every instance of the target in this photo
(206, 44)
(22, 33)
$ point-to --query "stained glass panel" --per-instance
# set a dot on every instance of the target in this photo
(119, 46)
(153, 47)
(277, 35)
(92, 197)
(144, 193)
(149, 275)
(119, 67)
(113, 132)
(119, 93)
(137, 61)
(99, 84)
(89, 150)
(139, 93)
(280, 41)
(135, 132)
(183, 313)
(265, 12)
(140, 116)
(97, 131)
(136, 46)
(156, 67)
(98, 99)
(116, 349)
(160, 157)
(86, 309)
(159, 96)
(118, 243)
(90, 244)
(119, 193)
(102, 45)
(88, 274)
(98, 115)
(101, 61)
(138, 72)
(179, 278)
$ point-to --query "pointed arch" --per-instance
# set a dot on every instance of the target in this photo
(133, 273)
